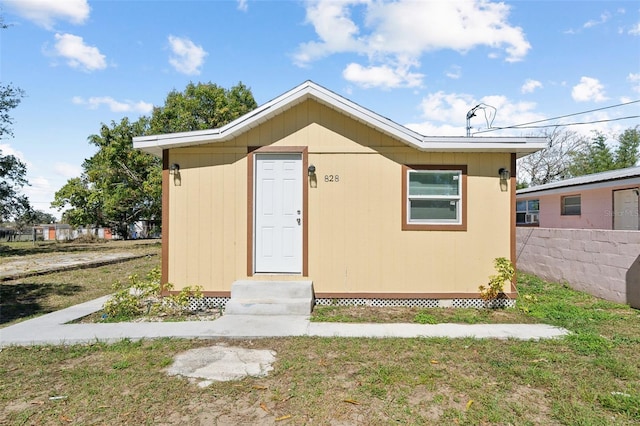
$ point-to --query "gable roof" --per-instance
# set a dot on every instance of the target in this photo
(154, 144)
(629, 175)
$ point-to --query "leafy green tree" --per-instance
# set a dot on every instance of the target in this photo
(201, 106)
(120, 185)
(598, 157)
(627, 154)
(12, 171)
(12, 179)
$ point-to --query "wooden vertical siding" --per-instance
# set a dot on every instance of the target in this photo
(356, 246)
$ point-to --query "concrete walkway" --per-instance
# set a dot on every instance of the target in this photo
(53, 329)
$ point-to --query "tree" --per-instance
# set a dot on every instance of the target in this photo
(597, 156)
(552, 163)
(627, 154)
(201, 106)
(119, 185)
(12, 171)
(12, 179)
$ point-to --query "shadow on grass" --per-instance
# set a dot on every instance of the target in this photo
(48, 247)
(24, 300)
(25, 248)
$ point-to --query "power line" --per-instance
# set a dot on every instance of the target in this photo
(522, 126)
(558, 125)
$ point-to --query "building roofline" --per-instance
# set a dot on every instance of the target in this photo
(155, 144)
(608, 176)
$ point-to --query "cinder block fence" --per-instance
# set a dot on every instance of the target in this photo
(603, 263)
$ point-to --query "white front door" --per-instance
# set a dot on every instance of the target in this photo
(278, 213)
(625, 209)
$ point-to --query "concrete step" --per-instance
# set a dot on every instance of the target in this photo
(270, 298)
(269, 307)
(246, 289)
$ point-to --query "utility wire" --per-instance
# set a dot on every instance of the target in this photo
(522, 126)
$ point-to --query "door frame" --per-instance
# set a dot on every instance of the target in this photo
(613, 203)
(251, 161)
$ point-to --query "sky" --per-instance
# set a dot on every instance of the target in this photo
(423, 64)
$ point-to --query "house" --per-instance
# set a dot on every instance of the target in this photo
(313, 186)
(64, 232)
(607, 200)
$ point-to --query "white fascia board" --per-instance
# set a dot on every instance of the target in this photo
(575, 189)
(155, 144)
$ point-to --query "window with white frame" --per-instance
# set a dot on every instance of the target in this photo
(433, 197)
(527, 212)
(571, 205)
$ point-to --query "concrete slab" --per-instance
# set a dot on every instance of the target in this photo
(26, 267)
(222, 363)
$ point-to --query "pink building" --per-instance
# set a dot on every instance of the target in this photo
(607, 200)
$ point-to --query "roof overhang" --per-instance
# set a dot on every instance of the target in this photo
(629, 176)
(520, 146)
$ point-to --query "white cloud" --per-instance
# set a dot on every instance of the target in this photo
(381, 76)
(454, 72)
(78, 54)
(116, 106)
(187, 57)
(634, 79)
(589, 89)
(635, 30)
(46, 12)
(530, 86)
(604, 17)
(242, 5)
(401, 31)
(67, 170)
(445, 114)
(7, 149)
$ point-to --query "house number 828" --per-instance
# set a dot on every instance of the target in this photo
(332, 178)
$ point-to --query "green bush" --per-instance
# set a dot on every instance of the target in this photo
(493, 289)
(143, 297)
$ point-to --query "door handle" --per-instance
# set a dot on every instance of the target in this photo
(298, 219)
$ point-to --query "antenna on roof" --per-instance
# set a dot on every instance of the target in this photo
(488, 117)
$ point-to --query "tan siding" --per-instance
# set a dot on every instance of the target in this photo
(355, 242)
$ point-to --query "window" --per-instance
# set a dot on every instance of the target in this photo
(571, 205)
(527, 212)
(434, 197)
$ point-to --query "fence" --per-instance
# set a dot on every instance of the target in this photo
(603, 263)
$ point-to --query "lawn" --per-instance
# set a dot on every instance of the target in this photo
(37, 295)
(591, 377)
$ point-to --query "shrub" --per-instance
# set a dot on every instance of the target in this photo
(493, 289)
(143, 297)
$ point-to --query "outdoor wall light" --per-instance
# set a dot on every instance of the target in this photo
(504, 174)
(175, 167)
(313, 180)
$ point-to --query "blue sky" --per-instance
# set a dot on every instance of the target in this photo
(423, 64)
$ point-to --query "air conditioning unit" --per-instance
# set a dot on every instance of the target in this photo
(532, 218)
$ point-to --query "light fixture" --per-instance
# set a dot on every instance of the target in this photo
(311, 170)
(504, 174)
(175, 167)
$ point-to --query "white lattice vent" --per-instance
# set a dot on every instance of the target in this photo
(205, 303)
(419, 303)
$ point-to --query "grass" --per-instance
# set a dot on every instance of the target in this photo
(589, 378)
(37, 295)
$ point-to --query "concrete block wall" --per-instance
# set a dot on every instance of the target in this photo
(604, 263)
